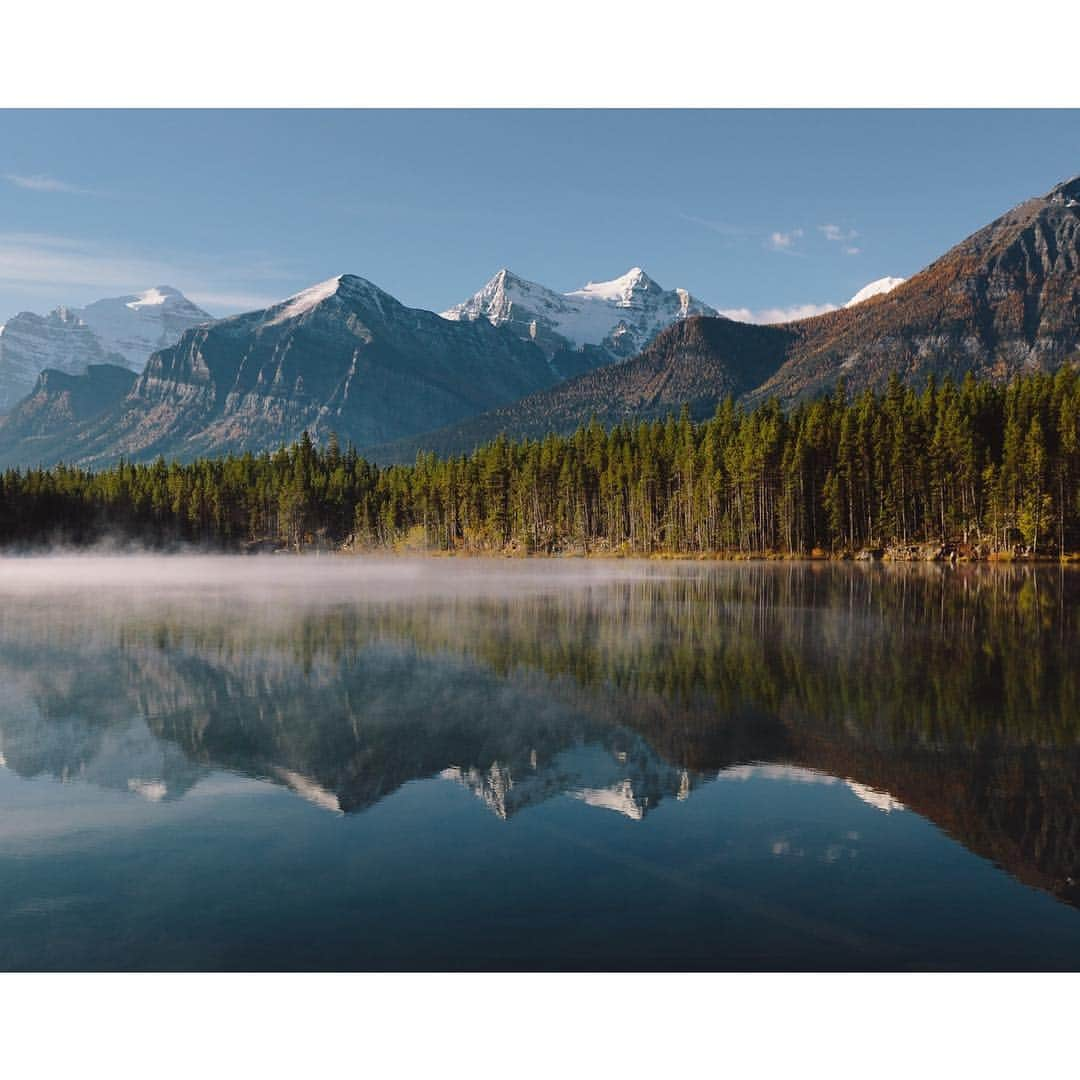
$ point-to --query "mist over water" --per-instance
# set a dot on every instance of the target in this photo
(323, 762)
(314, 579)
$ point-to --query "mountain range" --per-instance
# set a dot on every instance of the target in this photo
(122, 330)
(346, 356)
(341, 356)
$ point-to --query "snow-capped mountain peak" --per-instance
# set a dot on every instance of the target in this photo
(875, 288)
(621, 315)
(621, 290)
(132, 327)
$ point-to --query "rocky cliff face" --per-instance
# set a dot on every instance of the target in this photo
(30, 343)
(60, 399)
(47, 425)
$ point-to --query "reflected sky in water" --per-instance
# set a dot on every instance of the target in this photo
(280, 763)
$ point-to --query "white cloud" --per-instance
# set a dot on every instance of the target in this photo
(41, 182)
(783, 241)
(739, 314)
(778, 314)
(836, 234)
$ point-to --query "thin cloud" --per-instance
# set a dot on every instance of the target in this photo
(722, 227)
(778, 314)
(41, 182)
(836, 234)
(784, 241)
(852, 250)
(37, 263)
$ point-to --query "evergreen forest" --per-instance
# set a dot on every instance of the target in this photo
(974, 469)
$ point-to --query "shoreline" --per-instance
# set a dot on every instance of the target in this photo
(258, 549)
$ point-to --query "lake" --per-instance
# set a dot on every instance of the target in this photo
(384, 764)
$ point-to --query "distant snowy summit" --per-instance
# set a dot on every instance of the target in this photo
(620, 316)
(135, 326)
(122, 330)
(875, 288)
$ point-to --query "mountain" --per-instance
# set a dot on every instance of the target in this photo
(29, 343)
(696, 362)
(875, 288)
(135, 326)
(1005, 300)
(122, 330)
(341, 356)
(59, 403)
(605, 320)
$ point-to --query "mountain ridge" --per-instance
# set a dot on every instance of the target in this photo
(342, 355)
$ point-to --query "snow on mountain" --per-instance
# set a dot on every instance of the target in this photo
(631, 781)
(121, 330)
(341, 356)
(133, 327)
(875, 288)
(621, 315)
(879, 800)
(305, 300)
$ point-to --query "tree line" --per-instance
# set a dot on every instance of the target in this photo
(993, 467)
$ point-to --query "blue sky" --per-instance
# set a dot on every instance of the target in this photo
(751, 210)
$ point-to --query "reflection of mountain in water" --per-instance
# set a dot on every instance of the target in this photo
(952, 694)
(621, 774)
(341, 735)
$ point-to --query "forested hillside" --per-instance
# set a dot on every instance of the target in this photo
(982, 467)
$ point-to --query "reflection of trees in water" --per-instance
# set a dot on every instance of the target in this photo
(954, 689)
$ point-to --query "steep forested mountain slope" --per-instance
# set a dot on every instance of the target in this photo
(696, 362)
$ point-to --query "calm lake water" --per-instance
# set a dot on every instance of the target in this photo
(335, 763)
